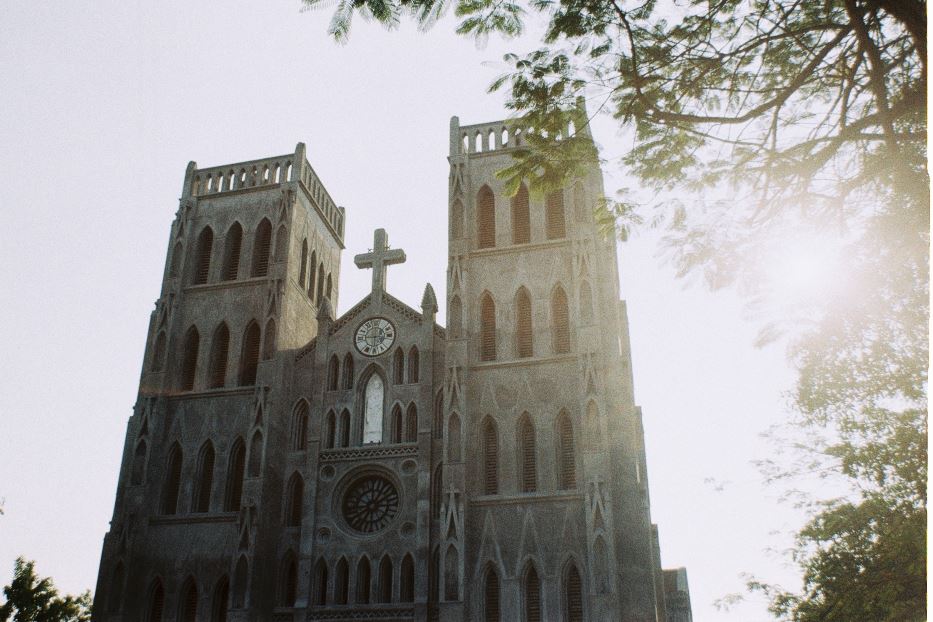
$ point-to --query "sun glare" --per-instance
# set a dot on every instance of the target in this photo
(802, 269)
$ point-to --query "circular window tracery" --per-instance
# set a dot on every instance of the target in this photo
(370, 503)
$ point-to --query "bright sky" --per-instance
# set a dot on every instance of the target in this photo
(104, 104)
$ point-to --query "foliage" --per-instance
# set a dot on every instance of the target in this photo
(759, 125)
(31, 599)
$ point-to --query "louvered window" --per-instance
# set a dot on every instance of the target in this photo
(235, 472)
(261, 246)
(529, 471)
(567, 467)
(521, 223)
(190, 603)
(490, 460)
(524, 341)
(249, 359)
(203, 266)
(189, 366)
(232, 245)
(205, 479)
(487, 329)
(220, 346)
(492, 596)
(574, 596)
(532, 596)
(300, 427)
(157, 603)
(554, 215)
(560, 322)
(172, 481)
(486, 218)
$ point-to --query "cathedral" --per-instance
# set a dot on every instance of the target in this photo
(283, 463)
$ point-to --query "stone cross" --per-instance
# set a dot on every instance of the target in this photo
(377, 259)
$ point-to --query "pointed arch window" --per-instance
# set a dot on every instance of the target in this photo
(320, 282)
(261, 246)
(219, 602)
(330, 430)
(300, 426)
(374, 409)
(156, 602)
(527, 455)
(487, 329)
(456, 220)
(566, 453)
(294, 501)
(455, 318)
(138, 472)
(249, 356)
(523, 326)
(573, 595)
(348, 372)
(303, 264)
(255, 455)
(345, 428)
(220, 349)
(490, 459)
(532, 595)
(521, 223)
(414, 365)
(411, 424)
(342, 582)
(189, 602)
(172, 481)
(362, 581)
(333, 373)
(240, 580)
(452, 574)
(189, 364)
(319, 594)
(398, 366)
(233, 242)
(486, 218)
(202, 266)
(384, 589)
(454, 444)
(406, 591)
(586, 303)
(205, 479)
(329, 288)
(560, 321)
(397, 424)
(491, 596)
(554, 215)
(312, 275)
(158, 353)
(281, 243)
(235, 470)
(289, 581)
(268, 346)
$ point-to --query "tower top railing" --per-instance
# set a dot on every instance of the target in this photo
(497, 135)
(266, 172)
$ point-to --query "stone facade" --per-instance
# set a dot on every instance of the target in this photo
(285, 464)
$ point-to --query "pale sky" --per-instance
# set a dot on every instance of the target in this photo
(102, 106)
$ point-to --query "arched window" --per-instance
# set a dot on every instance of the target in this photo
(249, 355)
(486, 218)
(362, 581)
(411, 424)
(531, 589)
(374, 409)
(521, 223)
(233, 241)
(333, 373)
(202, 267)
(189, 602)
(261, 245)
(523, 327)
(319, 593)
(205, 479)
(586, 303)
(312, 275)
(455, 318)
(348, 371)
(573, 595)
(487, 328)
(137, 473)
(439, 415)
(398, 366)
(156, 602)
(115, 601)
(255, 455)
(158, 352)
(330, 430)
(527, 455)
(554, 215)
(491, 596)
(288, 581)
(219, 601)
(456, 220)
(452, 574)
(566, 454)
(345, 428)
(437, 482)
(320, 282)
(175, 267)
(384, 590)
(300, 426)
(342, 582)
(406, 591)
(490, 459)
(281, 243)
(235, 469)
(560, 322)
(396, 424)
(172, 481)
(454, 449)
(414, 365)
(294, 497)
(189, 364)
(330, 286)
(217, 366)
(268, 346)
(240, 580)
(303, 264)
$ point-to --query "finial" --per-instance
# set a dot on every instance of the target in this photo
(429, 300)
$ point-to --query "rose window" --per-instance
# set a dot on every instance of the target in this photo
(370, 504)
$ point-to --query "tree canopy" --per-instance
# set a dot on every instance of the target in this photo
(33, 599)
(760, 126)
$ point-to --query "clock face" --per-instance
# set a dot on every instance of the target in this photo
(375, 336)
